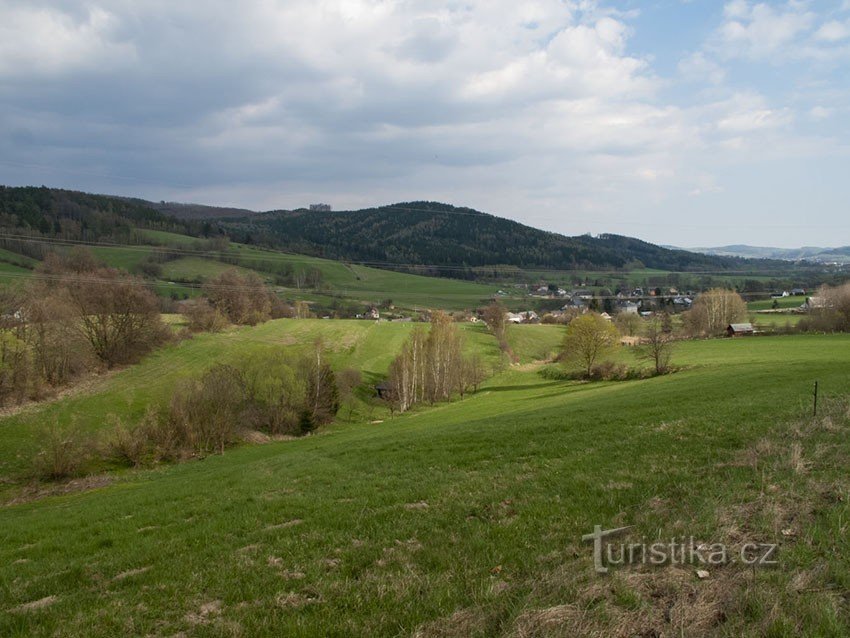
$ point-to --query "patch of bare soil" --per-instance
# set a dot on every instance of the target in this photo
(34, 605)
(130, 573)
(678, 601)
(205, 614)
(36, 491)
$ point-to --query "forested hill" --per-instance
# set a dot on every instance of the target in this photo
(444, 237)
(429, 233)
(54, 212)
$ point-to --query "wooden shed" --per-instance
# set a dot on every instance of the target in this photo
(740, 330)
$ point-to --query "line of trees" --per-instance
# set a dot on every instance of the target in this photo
(832, 311)
(234, 297)
(432, 367)
(277, 392)
(76, 315)
(713, 311)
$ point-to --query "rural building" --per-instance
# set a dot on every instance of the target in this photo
(813, 303)
(740, 329)
(529, 316)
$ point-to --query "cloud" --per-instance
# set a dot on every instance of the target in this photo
(542, 106)
(833, 31)
(820, 112)
(39, 40)
(699, 67)
(760, 30)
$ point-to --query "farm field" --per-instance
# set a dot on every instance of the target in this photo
(462, 519)
(783, 303)
(362, 284)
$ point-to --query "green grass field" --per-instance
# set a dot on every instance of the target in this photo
(784, 303)
(350, 282)
(462, 519)
(367, 345)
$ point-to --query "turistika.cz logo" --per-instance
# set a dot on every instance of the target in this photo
(684, 551)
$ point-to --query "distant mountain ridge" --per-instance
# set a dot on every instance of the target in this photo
(808, 253)
(428, 237)
(443, 236)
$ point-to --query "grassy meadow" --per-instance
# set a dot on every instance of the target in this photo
(461, 519)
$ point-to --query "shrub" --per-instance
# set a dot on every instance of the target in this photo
(276, 390)
(610, 371)
(242, 297)
(63, 453)
(204, 414)
(125, 445)
(15, 369)
(202, 316)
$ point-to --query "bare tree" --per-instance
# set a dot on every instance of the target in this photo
(347, 380)
(494, 317)
(470, 375)
(657, 346)
(714, 310)
(240, 296)
(203, 316)
(628, 323)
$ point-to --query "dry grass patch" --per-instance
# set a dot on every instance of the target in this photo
(35, 605)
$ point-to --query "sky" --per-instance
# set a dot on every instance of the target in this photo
(683, 122)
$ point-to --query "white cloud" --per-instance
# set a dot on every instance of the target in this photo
(699, 67)
(833, 31)
(761, 30)
(820, 113)
(539, 104)
(35, 40)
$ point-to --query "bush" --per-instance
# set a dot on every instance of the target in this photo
(15, 369)
(276, 391)
(63, 454)
(125, 445)
(115, 312)
(242, 297)
(202, 316)
(149, 269)
(610, 371)
(204, 414)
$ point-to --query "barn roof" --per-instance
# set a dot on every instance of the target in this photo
(741, 327)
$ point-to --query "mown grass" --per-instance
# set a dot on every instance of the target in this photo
(464, 519)
(196, 269)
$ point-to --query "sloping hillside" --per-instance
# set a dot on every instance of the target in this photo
(447, 237)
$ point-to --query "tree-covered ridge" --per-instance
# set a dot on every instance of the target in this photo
(452, 241)
(440, 235)
(76, 215)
